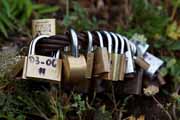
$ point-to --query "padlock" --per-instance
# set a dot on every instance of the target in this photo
(154, 62)
(141, 46)
(138, 57)
(74, 65)
(108, 76)
(134, 85)
(130, 68)
(44, 67)
(89, 56)
(101, 60)
(43, 27)
(115, 58)
(122, 59)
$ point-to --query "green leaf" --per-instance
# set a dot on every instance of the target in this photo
(6, 4)
(163, 71)
(171, 63)
(48, 10)
(175, 45)
(3, 30)
(7, 21)
(176, 3)
(20, 117)
(38, 6)
(29, 8)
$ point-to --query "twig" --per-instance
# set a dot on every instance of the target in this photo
(41, 113)
(67, 7)
(120, 115)
(162, 107)
(174, 11)
(174, 104)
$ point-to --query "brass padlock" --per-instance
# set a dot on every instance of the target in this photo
(101, 60)
(115, 58)
(122, 59)
(130, 68)
(108, 76)
(89, 56)
(43, 27)
(44, 67)
(138, 57)
(74, 65)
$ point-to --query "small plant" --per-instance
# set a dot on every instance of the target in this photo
(15, 14)
(79, 105)
(79, 19)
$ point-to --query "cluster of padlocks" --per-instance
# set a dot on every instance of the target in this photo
(76, 58)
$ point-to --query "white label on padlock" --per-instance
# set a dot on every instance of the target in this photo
(130, 64)
(154, 63)
(43, 67)
(142, 47)
(43, 27)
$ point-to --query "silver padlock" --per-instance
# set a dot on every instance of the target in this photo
(154, 62)
(130, 62)
(141, 46)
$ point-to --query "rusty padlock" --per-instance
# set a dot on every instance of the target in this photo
(122, 59)
(74, 65)
(101, 60)
(89, 56)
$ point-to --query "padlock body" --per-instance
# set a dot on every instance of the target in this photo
(108, 75)
(141, 63)
(24, 68)
(74, 68)
(122, 66)
(154, 62)
(101, 61)
(115, 66)
(130, 63)
(43, 67)
(90, 64)
(44, 26)
(134, 85)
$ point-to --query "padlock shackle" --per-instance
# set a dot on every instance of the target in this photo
(133, 47)
(122, 43)
(90, 42)
(109, 38)
(116, 42)
(127, 43)
(57, 54)
(100, 39)
(74, 43)
(33, 44)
